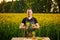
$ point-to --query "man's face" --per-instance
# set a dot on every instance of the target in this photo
(29, 13)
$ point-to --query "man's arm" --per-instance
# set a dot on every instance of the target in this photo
(36, 25)
(22, 26)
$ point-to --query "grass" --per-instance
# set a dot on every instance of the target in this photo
(49, 25)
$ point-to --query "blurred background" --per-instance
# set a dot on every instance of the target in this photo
(47, 12)
(38, 6)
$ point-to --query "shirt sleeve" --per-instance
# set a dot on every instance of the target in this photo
(35, 20)
(23, 21)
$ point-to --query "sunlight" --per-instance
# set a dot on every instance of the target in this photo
(6, 0)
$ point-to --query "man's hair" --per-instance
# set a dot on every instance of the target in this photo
(29, 9)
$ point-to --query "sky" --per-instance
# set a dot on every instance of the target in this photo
(6, 0)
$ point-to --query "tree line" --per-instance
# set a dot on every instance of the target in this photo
(38, 6)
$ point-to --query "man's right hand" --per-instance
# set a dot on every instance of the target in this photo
(22, 26)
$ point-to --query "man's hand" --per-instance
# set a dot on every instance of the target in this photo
(36, 26)
(22, 26)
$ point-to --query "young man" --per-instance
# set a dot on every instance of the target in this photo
(29, 23)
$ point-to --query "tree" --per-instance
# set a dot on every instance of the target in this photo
(7, 7)
(0, 7)
(3, 4)
(19, 6)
